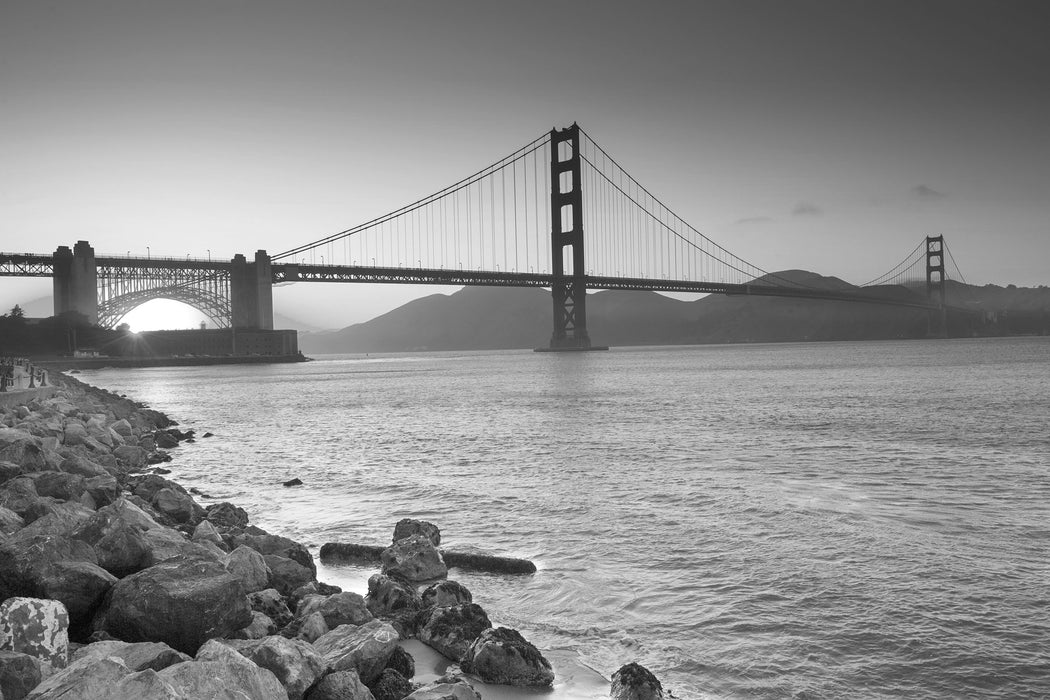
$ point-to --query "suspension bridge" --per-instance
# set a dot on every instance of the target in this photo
(558, 213)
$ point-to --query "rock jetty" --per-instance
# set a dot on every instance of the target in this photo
(116, 583)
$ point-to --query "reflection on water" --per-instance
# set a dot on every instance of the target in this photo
(835, 519)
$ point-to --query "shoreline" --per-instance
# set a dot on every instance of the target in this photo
(62, 364)
(138, 481)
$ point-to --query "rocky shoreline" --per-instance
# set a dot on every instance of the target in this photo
(116, 583)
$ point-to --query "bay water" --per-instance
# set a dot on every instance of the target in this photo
(832, 520)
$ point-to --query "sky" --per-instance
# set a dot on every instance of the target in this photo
(830, 136)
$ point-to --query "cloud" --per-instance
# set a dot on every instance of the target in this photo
(752, 220)
(807, 209)
(924, 192)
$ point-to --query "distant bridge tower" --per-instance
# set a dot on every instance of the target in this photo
(938, 320)
(75, 281)
(570, 285)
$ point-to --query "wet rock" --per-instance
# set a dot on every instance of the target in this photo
(341, 685)
(396, 601)
(19, 673)
(451, 631)
(414, 559)
(635, 682)
(458, 690)
(227, 515)
(338, 609)
(402, 662)
(390, 685)
(165, 440)
(260, 626)
(406, 527)
(249, 566)
(39, 628)
(132, 456)
(271, 603)
(137, 656)
(445, 594)
(180, 507)
(182, 601)
(503, 657)
(294, 482)
(295, 663)
(365, 649)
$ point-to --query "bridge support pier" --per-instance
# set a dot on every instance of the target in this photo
(251, 292)
(75, 281)
(569, 290)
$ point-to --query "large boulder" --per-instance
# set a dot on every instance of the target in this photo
(182, 602)
(341, 685)
(339, 609)
(10, 521)
(103, 489)
(19, 495)
(39, 628)
(271, 603)
(79, 585)
(249, 566)
(451, 631)
(19, 673)
(286, 574)
(87, 679)
(60, 485)
(220, 673)
(406, 527)
(281, 547)
(260, 626)
(32, 563)
(390, 685)
(503, 657)
(137, 656)
(445, 594)
(413, 558)
(227, 515)
(365, 649)
(635, 682)
(296, 663)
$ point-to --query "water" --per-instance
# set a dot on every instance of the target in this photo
(798, 520)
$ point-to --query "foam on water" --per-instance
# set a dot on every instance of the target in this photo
(812, 520)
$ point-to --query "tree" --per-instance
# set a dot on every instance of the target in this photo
(17, 312)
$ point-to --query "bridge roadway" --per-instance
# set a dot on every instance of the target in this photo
(38, 265)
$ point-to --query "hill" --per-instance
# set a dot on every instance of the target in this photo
(478, 318)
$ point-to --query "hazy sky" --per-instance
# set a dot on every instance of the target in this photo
(830, 136)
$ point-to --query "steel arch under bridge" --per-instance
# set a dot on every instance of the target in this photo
(122, 287)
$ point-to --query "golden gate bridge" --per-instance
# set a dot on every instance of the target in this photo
(559, 213)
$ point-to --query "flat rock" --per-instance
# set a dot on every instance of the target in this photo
(365, 649)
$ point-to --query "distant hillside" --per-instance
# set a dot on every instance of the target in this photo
(495, 318)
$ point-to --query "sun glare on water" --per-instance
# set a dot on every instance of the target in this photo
(164, 314)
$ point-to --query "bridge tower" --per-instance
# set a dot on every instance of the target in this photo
(251, 292)
(570, 284)
(75, 281)
(938, 320)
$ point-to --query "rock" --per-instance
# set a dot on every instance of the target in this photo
(414, 559)
(402, 662)
(260, 626)
(82, 466)
(131, 455)
(295, 663)
(137, 656)
(311, 588)
(458, 690)
(279, 546)
(227, 515)
(270, 603)
(28, 560)
(445, 594)
(182, 601)
(180, 507)
(451, 631)
(24, 450)
(10, 521)
(19, 673)
(503, 657)
(407, 527)
(74, 433)
(206, 532)
(87, 679)
(635, 682)
(39, 628)
(121, 428)
(165, 440)
(287, 575)
(247, 565)
(338, 609)
(365, 649)
(65, 487)
(396, 601)
(220, 673)
(103, 488)
(309, 628)
(79, 585)
(341, 685)
(390, 685)
(294, 482)
(19, 495)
